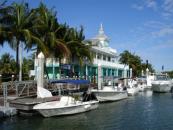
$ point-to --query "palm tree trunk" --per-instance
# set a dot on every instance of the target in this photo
(60, 68)
(17, 59)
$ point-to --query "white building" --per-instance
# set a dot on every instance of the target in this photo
(105, 64)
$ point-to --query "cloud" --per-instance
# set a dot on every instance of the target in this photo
(155, 24)
(159, 29)
(146, 4)
(151, 4)
(138, 7)
(163, 45)
(168, 8)
(168, 5)
(165, 7)
(163, 32)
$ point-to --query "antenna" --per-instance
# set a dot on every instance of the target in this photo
(162, 67)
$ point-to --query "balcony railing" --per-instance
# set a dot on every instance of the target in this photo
(108, 63)
(52, 62)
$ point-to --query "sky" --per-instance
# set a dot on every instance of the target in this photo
(144, 27)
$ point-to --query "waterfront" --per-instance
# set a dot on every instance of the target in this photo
(143, 111)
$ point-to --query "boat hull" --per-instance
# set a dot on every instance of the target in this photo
(69, 110)
(132, 91)
(107, 96)
(161, 88)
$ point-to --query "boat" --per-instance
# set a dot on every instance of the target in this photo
(110, 93)
(132, 88)
(67, 105)
(141, 83)
(162, 84)
(141, 87)
(150, 78)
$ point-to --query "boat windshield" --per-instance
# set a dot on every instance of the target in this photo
(162, 77)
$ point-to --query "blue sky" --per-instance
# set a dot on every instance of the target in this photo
(144, 27)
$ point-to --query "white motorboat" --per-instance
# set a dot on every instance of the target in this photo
(141, 87)
(150, 79)
(162, 84)
(110, 93)
(66, 106)
(141, 84)
(132, 87)
(132, 91)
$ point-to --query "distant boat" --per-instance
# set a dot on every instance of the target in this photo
(132, 87)
(141, 83)
(108, 94)
(145, 81)
(162, 84)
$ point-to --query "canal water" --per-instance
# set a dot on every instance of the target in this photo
(145, 111)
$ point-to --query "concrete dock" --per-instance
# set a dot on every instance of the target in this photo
(25, 105)
(7, 111)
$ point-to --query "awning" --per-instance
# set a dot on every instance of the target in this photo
(71, 81)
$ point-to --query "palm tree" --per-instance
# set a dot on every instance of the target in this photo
(79, 47)
(15, 22)
(149, 66)
(132, 60)
(44, 33)
(28, 64)
(7, 64)
(2, 37)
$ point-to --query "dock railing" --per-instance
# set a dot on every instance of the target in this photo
(17, 89)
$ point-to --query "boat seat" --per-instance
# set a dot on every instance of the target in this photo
(65, 100)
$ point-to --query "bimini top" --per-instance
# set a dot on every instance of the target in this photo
(71, 81)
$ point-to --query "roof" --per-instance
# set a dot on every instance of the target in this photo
(107, 50)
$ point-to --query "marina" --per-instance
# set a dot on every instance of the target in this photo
(55, 74)
(146, 110)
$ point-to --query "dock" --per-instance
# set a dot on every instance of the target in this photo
(16, 97)
(25, 104)
(7, 111)
(20, 97)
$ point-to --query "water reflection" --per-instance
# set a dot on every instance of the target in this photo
(146, 110)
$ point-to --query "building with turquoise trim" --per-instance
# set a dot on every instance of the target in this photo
(105, 63)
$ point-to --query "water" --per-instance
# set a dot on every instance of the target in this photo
(146, 111)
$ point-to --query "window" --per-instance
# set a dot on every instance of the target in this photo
(104, 57)
(109, 58)
(98, 56)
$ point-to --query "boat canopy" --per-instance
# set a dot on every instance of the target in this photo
(71, 81)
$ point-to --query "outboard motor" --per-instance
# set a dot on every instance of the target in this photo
(172, 91)
(125, 88)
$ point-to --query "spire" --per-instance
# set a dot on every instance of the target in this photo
(101, 39)
(101, 31)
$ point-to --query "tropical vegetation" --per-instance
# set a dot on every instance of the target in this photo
(38, 29)
(135, 62)
(170, 73)
(15, 21)
(8, 68)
